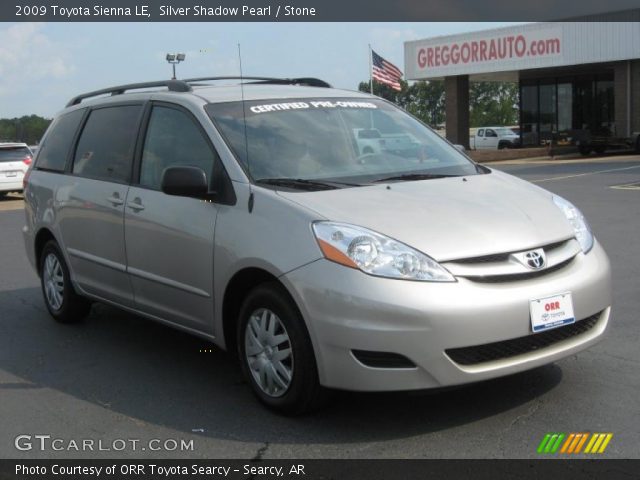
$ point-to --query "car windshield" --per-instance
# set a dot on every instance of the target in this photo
(335, 142)
(14, 154)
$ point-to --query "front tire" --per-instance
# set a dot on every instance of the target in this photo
(276, 353)
(63, 303)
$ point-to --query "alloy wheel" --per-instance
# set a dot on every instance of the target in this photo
(268, 352)
(53, 279)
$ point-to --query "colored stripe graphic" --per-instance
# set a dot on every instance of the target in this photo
(543, 443)
(598, 443)
(581, 443)
(565, 447)
(550, 443)
(572, 443)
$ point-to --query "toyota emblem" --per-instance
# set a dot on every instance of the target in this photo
(535, 259)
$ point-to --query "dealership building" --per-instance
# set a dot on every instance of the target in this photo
(579, 80)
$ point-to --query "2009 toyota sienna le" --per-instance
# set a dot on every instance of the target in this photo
(257, 215)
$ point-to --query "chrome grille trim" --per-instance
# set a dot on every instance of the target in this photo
(488, 268)
(502, 257)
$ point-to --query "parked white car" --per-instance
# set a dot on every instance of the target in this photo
(494, 138)
(15, 159)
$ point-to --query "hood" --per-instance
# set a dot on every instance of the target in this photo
(448, 218)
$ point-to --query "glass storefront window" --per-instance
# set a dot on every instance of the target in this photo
(604, 117)
(547, 112)
(567, 110)
(565, 107)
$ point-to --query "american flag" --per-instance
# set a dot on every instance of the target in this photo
(385, 72)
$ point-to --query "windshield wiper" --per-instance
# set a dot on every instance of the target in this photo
(301, 183)
(414, 176)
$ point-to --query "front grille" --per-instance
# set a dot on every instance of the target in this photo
(519, 276)
(503, 257)
(519, 346)
(382, 359)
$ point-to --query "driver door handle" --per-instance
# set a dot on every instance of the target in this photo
(115, 200)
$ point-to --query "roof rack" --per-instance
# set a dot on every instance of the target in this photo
(185, 85)
(302, 81)
(172, 85)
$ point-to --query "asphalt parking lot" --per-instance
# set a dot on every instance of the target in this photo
(118, 376)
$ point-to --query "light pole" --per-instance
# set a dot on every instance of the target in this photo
(173, 59)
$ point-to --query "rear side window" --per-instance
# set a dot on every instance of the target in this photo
(54, 151)
(14, 154)
(105, 148)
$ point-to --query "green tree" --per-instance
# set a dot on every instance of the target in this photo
(490, 103)
(493, 103)
(28, 129)
(423, 99)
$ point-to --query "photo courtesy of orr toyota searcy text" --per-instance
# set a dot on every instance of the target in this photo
(295, 469)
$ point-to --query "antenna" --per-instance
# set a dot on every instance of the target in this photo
(244, 121)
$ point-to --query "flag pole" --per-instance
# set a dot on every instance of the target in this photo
(370, 71)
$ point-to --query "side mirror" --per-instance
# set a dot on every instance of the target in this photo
(185, 182)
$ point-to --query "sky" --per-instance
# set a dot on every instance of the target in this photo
(43, 65)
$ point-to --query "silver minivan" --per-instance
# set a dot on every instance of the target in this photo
(252, 215)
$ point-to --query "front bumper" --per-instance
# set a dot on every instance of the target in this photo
(348, 310)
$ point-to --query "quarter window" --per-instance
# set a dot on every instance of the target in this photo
(54, 151)
(106, 145)
(173, 139)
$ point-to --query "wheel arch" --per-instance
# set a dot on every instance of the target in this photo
(43, 236)
(238, 287)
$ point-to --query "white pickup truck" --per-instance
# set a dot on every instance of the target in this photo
(494, 138)
(370, 140)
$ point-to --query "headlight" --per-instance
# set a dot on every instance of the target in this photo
(578, 222)
(376, 254)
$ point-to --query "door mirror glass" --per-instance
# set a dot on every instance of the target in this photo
(185, 181)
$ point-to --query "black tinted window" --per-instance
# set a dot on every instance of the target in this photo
(105, 148)
(173, 139)
(55, 149)
(14, 154)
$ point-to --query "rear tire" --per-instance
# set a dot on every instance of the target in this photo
(276, 353)
(62, 301)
